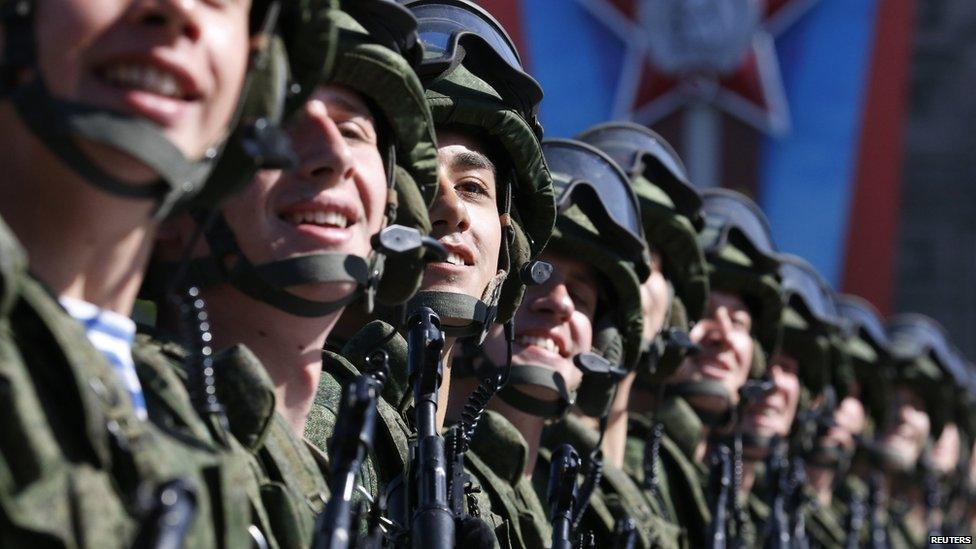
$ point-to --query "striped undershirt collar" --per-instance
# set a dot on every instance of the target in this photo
(112, 334)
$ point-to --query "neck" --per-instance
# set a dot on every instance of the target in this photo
(748, 477)
(702, 448)
(529, 425)
(641, 400)
(444, 392)
(82, 242)
(289, 347)
(821, 479)
(907, 491)
(615, 439)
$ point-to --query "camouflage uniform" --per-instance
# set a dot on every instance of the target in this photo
(459, 98)
(72, 445)
(617, 496)
(286, 486)
(497, 461)
(79, 468)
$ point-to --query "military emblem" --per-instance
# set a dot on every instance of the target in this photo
(717, 52)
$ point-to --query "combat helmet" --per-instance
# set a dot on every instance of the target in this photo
(810, 323)
(867, 346)
(812, 336)
(379, 69)
(923, 358)
(599, 224)
(742, 259)
(254, 139)
(475, 81)
(670, 213)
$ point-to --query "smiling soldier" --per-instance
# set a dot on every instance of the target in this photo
(113, 113)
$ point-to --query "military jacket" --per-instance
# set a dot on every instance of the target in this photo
(851, 497)
(78, 468)
(383, 470)
(687, 480)
(285, 480)
(497, 460)
(616, 497)
(678, 486)
(825, 528)
(901, 534)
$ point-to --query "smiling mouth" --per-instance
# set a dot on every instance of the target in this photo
(146, 78)
(544, 343)
(455, 259)
(330, 219)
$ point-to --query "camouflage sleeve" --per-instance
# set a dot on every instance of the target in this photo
(13, 265)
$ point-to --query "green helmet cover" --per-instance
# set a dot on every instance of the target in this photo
(461, 99)
(734, 271)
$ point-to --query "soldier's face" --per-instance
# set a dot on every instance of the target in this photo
(773, 414)
(333, 202)
(945, 452)
(727, 346)
(654, 298)
(177, 64)
(908, 428)
(850, 420)
(554, 323)
(464, 217)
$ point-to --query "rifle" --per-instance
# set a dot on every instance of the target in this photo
(797, 503)
(933, 500)
(625, 533)
(855, 523)
(720, 484)
(876, 503)
(562, 493)
(432, 524)
(778, 528)
(350, 442)
(171, 510)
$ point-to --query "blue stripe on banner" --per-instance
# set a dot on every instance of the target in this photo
(807, 178)
(576, 59)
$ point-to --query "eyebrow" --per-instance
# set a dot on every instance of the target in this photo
(468, 160)
(348, 107)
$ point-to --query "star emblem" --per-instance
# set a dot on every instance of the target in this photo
(720, 52)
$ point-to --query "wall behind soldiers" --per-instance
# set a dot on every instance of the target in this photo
(936, 261)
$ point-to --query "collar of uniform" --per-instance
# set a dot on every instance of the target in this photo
(571, 430)
(247, 393)
(13, 266)
(501, 446)
(159, 365)
(681, 424)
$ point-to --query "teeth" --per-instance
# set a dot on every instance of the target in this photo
(144, 77)
(454, 259)
(331, 219)
(543, 342)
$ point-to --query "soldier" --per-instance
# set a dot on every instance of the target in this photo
(285, 256)
(493, 214)
(779, 427)
(921, 361)
(596, 259)
(740, 324)
(144, 98)
(853, 490)
(673, 295)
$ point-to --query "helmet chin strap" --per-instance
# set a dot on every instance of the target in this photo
(689, 390)
(479, 314)
(59, 124)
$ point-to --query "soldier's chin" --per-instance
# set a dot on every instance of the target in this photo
(896, 458)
